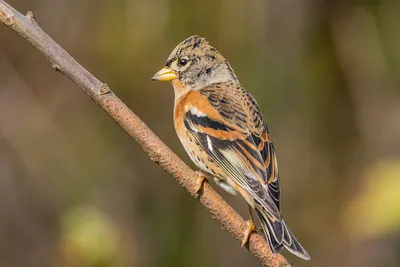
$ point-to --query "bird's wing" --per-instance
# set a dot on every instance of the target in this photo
(227, 123)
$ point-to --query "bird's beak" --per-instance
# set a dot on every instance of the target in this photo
(166, 74)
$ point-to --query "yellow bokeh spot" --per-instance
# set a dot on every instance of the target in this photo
(88, 237)
(376, 210)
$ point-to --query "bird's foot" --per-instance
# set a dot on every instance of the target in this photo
(249, 229)
(200, 181)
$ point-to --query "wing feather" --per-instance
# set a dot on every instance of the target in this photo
(240, 146)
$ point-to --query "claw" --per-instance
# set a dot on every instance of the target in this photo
(249, 229)
(200, 181)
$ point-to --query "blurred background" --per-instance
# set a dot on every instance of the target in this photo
(76, 191)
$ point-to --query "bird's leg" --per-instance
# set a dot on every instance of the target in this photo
(200, 181)
(249, 229)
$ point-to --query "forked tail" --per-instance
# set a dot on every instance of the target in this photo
(278, 236)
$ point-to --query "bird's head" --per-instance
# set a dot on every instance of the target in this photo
(196, 65)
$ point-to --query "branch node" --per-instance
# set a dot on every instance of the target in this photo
(105, 89)
(31, 17)
(6, 16)
(55, 67)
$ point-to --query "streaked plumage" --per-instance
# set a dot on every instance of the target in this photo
(222, 129)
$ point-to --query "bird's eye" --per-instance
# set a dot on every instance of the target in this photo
(183, 62)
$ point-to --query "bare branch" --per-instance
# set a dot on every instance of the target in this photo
(99, 92)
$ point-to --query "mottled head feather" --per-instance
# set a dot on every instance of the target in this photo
(192, 44)
(206, 65)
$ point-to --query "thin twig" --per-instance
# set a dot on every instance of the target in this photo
(27, 27)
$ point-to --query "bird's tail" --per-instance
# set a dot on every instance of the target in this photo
(278, 235)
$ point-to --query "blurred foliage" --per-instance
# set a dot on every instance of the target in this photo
(76, 191)
(89, 238)
(376, 211)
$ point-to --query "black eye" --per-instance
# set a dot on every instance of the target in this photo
(183, 62)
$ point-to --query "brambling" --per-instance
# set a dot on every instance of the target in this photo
(222, 129)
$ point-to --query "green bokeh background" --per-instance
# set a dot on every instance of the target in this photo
(76, 191)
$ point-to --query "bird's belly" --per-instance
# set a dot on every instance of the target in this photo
(203, 162)
(196, 155)
(224, 184)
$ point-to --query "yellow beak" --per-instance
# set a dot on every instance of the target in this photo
(166, 74)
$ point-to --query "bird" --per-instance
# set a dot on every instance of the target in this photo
(220, 126)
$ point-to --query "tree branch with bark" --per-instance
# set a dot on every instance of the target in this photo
(99, 92)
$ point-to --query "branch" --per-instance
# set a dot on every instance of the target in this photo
(158, 152)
